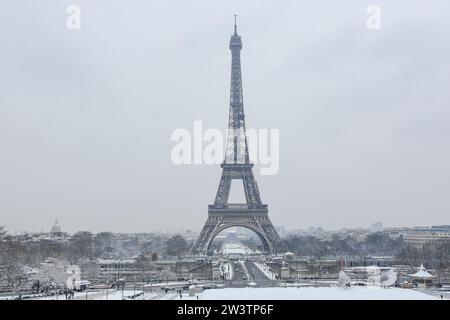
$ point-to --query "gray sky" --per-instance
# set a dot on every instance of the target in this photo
(86, 115)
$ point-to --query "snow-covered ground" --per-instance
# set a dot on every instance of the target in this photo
(97, 295)
(247, 274)
(265, 269)
(111, 294)
(236, 249)
(166, 283)
(274, 293)
(310, 293)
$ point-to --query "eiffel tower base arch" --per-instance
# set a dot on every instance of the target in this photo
(260, 224)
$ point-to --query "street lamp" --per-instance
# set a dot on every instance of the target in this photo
(143, 285)
(211, 271)
(134, 287)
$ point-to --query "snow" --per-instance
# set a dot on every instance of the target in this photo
(174, 283)
(343, 279)
(384, 279)
(274, 293)
(113, 262)
(422, 273)
(127, 294)
(265, 269)
(228, 269)
(167, 283)
(235, 249)
(247, 274)
(311, 293)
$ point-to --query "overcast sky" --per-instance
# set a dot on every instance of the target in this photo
(86, 115)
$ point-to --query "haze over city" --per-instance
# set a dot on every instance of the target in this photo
(86, 116)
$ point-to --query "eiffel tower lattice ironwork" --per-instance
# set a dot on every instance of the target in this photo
(253, 214)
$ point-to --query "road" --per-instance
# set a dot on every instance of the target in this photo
(240, 278)
(246, 274)
(259, 277)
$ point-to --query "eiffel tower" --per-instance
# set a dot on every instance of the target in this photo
(252, 214)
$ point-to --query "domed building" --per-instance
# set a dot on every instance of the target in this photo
(56, 229)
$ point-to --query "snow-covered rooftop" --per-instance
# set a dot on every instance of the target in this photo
(113, 261)
(422, 273)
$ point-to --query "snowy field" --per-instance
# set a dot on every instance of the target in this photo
(235, 248)
(310, 293)
(102, 295)
(275, 293)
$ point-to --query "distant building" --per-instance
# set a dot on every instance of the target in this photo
(56, 232)
(281, 231)
(396, 233)
(317, 232)
(55, 228)
(216, 273)
(420, 236)
(116, 269)
(376, 227)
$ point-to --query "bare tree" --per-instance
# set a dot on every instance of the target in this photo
(52, 273)
(176, 246)
(12, 274)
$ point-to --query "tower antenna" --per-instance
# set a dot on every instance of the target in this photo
(235, 25)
